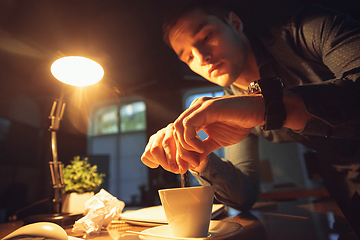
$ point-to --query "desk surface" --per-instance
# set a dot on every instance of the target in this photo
(305, 218)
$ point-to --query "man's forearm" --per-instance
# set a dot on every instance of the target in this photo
(296, 114)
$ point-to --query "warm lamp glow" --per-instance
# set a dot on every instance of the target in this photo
(77, 71)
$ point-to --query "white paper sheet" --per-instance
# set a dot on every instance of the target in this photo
(155, 215)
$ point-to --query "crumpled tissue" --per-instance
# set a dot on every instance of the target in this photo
(100, 210)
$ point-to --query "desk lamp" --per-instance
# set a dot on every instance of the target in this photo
(75, 71)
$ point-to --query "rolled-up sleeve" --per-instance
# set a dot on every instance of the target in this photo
(236, 179)
(334, 103)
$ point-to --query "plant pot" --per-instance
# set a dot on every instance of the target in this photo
(75, 202)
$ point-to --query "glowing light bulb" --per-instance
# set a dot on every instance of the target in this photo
(77, 71)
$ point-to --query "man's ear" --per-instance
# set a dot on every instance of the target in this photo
(235, 22)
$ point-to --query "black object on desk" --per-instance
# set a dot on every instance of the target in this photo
(62, 219)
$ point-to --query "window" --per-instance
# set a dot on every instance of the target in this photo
(133, 117)
(117, 130)
(119, 118)
(106, 121)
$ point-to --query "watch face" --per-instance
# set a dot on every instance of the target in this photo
(254, 88)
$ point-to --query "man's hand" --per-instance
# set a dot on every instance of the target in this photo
(226, 120)
(162, 149)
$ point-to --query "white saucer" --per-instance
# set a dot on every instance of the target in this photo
(217, 230)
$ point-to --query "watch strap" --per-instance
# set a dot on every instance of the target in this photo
(272, 91)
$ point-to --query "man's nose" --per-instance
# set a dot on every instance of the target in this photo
(202, 55)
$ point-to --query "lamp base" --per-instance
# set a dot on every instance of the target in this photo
(62, 219)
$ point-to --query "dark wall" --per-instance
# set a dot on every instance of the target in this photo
(25, 175)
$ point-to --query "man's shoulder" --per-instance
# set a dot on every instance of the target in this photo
(313, 11)
(308, 16)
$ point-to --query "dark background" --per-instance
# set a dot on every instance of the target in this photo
(125, 38)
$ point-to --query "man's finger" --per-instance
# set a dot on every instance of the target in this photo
(169, 147)
(149, 163)
(156, 150)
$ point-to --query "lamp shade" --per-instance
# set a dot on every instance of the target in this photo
(77, 71)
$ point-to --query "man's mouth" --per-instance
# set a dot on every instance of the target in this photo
(214, 68)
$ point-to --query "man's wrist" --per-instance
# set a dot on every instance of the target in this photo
(201, 166)
(297, 115)
(271, 90)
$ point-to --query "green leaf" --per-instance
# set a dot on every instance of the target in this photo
(79, 176)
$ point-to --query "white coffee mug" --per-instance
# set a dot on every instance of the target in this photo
(188, 210)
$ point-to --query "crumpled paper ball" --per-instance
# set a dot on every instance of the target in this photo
(100, 210)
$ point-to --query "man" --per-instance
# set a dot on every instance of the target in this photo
(316, 54)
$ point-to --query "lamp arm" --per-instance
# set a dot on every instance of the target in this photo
(56, 114)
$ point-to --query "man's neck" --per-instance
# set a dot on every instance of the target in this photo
(250, 72)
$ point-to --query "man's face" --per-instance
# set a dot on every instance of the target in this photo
(210, 47)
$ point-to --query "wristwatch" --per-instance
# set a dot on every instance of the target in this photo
(272, 91)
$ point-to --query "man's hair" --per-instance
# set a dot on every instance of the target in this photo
(218, 8)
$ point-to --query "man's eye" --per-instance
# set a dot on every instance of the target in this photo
(207, 37)
(190, 58)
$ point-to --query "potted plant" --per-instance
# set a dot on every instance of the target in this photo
(81, 181)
